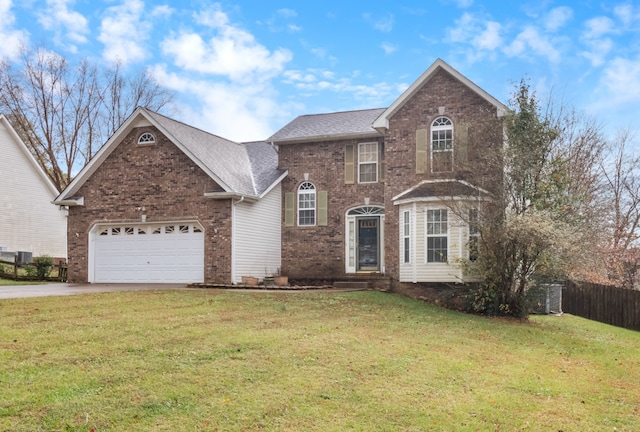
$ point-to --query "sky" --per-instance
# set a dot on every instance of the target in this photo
(243, 69)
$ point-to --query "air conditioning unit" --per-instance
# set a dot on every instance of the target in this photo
(24, 257)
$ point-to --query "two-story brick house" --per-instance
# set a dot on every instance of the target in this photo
(389, 191)
(386, 191)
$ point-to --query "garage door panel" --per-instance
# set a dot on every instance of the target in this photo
(149, 253)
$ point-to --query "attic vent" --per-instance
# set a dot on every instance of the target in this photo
(146, 138)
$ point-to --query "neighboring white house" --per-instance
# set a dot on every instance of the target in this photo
(28, 220)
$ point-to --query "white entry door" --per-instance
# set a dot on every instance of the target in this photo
(148, 253)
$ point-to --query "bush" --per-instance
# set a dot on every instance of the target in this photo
(43, 265)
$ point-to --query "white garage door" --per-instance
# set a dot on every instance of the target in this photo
(167, 253)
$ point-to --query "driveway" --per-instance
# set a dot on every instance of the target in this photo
(61, 289)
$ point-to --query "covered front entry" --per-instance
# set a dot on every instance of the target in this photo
(147, 253)
(364, 239)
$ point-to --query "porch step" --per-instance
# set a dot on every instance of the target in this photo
(351, 284)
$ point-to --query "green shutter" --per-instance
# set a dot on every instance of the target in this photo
(289, 209)
(461, 145)
(322, 208)
(421, 151)
(349, 167)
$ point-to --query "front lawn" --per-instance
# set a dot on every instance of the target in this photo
(209, 360)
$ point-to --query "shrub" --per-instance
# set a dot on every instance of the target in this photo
(43, 265)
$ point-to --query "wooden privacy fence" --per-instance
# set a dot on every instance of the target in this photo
(608, 304)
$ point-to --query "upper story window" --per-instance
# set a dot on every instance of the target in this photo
(368, 162)
(146, 138)
(442, 145)
(306, 204)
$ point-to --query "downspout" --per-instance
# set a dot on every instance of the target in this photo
(233, 237)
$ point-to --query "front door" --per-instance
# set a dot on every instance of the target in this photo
(368, 241)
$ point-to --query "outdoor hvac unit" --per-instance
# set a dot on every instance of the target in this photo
(24, 257)
(550, 300)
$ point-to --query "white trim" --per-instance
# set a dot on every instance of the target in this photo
(463, 182)
(377, 161)
(348, 245)
(382, 122)
(426, 236)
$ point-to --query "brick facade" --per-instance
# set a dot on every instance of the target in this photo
(163, 180)
(319, 252)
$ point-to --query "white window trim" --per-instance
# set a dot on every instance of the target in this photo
(475, 235)
(431, 149)
(150, 141)
(406, 236)
(427, 236)
(310, 191)
(376, 163)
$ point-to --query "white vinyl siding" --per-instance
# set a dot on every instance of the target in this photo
(256, 236)
(419, 270)
(28, 220)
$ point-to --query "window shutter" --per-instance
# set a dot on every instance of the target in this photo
(289, 209)
(461, 144)
(322, 208)
(381, 164)
(421, 151)
(349, 166)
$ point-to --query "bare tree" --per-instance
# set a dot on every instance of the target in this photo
(542, 221)
(620, 169)
(64, 113)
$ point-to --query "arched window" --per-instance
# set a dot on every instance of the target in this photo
(146, 138)
(306, 204)
(442, 145)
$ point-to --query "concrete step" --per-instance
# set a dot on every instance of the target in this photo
(351, 284)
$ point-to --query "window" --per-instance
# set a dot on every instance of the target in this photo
(474, 234)
(146, 138)
(306, 204)
(437, 236)
(368, 162)
(442, 145)
(406, 242)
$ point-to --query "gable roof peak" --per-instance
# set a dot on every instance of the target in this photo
(382, 122)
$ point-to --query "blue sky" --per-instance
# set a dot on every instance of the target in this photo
(243, 69)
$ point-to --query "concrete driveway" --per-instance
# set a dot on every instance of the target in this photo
(61, 289)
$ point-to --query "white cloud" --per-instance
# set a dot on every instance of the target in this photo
(621, 80)
(162, 11)
(231, 52)
(383, 24)
(593, 37)
(481, 34)
(388, 48)
(315, 81)
(123, 32)
(558, 17)
(11, 38)
(276, 25)
(240, 112)
(531, 39)
(598, 27)
(627, 13)
(599, 49)
(490, 38)
(66, 23)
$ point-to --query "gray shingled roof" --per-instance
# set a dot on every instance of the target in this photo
(245, 169)
(318, 126)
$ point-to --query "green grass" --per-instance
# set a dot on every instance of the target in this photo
(9, 282)
(207, 360)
